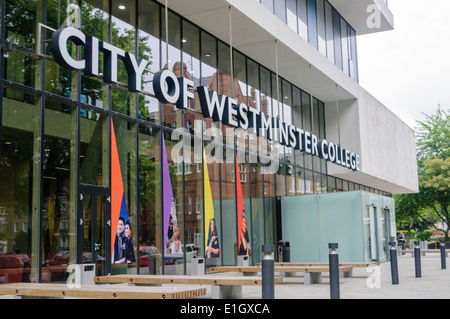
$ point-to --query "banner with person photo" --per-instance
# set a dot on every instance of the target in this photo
(243, 236)
(169, 211)
(122, 250)
(211, 234)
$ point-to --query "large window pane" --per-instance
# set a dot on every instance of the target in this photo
(57, 79)
(149, 49)
(59, 188)
(337, 38)
(94, 147)
(123, 26)
(280, 9)
(307, 124)
(209, 74)
(302, 19)
(321, 27)
(291, 14)
(19, 187)
(213, 218)
(297, 118)
(268, 4)
(21, 18)
(229, 215)
(174, 255)
(193, 205)
(329, 31)
(258, 221)
(345, 47)
(149, 203)
(312, 22)
(191, 71)
(95, 22)
(171, 59)
(125, 146)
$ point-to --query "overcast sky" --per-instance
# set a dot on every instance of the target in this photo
(408, 69)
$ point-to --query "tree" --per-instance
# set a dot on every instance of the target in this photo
(431, 205)
(435, 183)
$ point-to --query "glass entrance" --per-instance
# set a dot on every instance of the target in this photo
(94, 228)
(370, 233)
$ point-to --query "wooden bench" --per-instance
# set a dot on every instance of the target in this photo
(326, 264)
(222, 287)
(312, 275)
(423, 252)
(99, 292)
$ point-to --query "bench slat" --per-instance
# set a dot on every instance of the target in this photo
(101, 292)
(181, 279)
(323, 264)
(277, 269)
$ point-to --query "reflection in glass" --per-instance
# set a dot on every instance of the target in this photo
(21, 18)
(229, 215)
(171, 60)
(19, 186)
(95, 22)
(149, 203)
(257, 204)
(193, 204)
(125, 135)
(94, 167)
(59, 188)
(174, 254)
(149, 49)
(123, 32)
(212, 254)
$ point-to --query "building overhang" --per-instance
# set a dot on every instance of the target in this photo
(365, 16)
(254, 32)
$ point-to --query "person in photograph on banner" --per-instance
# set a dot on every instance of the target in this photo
(243, 236)
(175, 243)
(213, 248)
(119, 211)
(129, 249)
(212, 241)
(119, 243)
(244, 247)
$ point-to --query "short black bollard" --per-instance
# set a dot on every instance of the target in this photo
(394, 264)
(334, 271)
(417, 259)
(268, 272)
(443, 262)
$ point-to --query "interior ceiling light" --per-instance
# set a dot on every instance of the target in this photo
(122, 7)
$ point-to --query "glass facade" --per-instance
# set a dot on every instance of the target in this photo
(76, 150)
(323, 27)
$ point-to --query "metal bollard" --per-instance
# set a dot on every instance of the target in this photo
(268, 272)
(417, 259)
(394, 264)
(443, 262)
(334, 271)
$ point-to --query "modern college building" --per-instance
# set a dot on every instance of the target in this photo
(139, 134)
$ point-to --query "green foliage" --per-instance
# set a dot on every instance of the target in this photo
(430, 206)
(423, 235)
(433, 136)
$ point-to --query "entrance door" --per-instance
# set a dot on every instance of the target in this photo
(371, 233)
(94, 228)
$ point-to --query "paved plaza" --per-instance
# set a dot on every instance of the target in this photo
(364, 284)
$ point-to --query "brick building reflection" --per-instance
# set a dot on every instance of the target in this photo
(222, 176)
